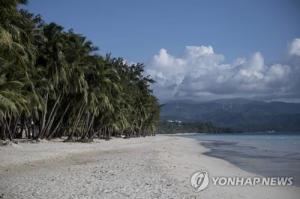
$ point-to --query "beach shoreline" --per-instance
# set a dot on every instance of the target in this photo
(150, 167)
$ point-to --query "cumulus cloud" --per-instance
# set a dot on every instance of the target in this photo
(295, 47)
(201, 74)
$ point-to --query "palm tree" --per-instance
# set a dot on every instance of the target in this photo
(55, 81)
(12, 103)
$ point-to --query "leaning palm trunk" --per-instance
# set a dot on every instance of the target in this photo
(48, 122)
(87, 131)
(76, 122)
(50, 135)
(9, 128)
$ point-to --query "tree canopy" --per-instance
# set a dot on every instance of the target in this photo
(53, 83)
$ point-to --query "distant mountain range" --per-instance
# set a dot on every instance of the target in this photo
(238, 114)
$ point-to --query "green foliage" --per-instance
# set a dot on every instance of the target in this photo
(53, 83)
(167, 127)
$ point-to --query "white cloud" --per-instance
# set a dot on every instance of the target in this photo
(295, 47)
(201, 74)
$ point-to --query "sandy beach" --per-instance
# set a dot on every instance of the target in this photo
(151, 167)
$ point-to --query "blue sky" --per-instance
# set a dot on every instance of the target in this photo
(136, 29)
(245, 37)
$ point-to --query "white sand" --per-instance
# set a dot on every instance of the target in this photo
(151, 167)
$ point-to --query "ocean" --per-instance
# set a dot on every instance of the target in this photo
(266, 154)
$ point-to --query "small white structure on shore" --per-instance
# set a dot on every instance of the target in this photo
(174, 121)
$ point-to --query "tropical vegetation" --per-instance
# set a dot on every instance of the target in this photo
(175, 126)
(54, 83)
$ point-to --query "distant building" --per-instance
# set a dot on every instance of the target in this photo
(174, 121)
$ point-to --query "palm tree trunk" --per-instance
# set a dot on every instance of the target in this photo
(45, 127)
(59, 123)
(76, 122)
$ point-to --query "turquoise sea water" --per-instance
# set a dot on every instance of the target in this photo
(267, 154)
